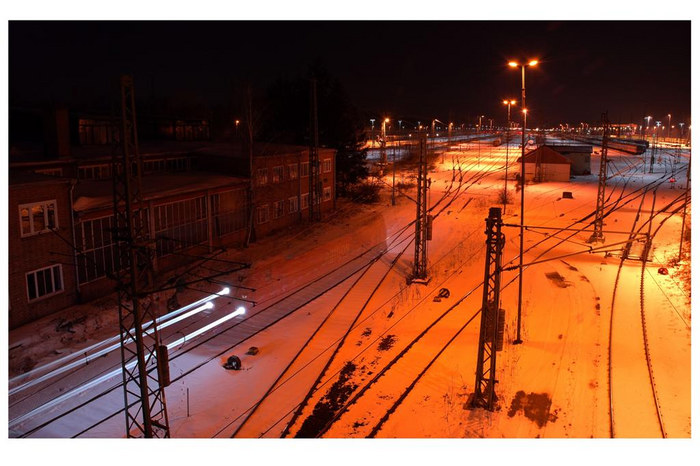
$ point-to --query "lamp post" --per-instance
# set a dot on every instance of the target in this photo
(505, 183)
(668, 131)
(514, 64)
(383, 155)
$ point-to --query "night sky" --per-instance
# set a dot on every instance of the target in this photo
(446, 70)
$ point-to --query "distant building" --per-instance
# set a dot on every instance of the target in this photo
(197, 196)
(545, 164)
(578, 154)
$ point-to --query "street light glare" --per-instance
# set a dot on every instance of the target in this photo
(512, 102)
(533, 62)
(513, 64)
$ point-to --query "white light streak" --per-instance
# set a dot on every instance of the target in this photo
(18, 420)
(113, 342)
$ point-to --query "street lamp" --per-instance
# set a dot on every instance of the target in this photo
(383, 146)
(505, 183)
(514, 64)
(668, 132)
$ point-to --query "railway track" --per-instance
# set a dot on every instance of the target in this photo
(633, 395)
(73, 410)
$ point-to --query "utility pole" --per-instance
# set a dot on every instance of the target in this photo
(144, 359)
(393, 176)
(251, 185)
(383, 159)
(420, 258)
(314, 168)
(602, 180)
(492, 318)
(685, 208)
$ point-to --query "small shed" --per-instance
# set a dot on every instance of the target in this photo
(546, 164)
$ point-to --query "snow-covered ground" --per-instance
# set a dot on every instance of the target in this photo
(404, 380)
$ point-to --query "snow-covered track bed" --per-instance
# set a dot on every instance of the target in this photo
(634, 392)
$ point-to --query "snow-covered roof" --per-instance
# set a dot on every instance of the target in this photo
(90, 194)
(545, 154)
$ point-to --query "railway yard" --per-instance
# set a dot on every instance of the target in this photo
(339, 344)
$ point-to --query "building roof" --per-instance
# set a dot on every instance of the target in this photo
(545, 154)
(91, 194)
(32, 153)
(571, 148)
(19, 178)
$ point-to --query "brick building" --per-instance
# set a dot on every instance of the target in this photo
(197, 196)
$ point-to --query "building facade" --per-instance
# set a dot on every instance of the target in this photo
(197, 195)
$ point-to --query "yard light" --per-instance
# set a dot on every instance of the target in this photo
(514, 64)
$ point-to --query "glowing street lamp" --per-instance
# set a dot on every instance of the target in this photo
(668, 133)
(514, 64)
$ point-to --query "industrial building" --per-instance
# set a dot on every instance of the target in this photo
(197, 193)
(545, 164)
(578, 154)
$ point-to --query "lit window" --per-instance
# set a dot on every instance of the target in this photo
(44, 282)
(38, 218)
(293, 171)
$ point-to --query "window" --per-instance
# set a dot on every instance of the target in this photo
(229, 211)
(94, 172)
(327, 193)
(44, 282)
(293, 204)
(305, 201)
(263, 213)
(261, 176)
(305, 169)
(179, 225)
(293, 171)
(38, 218)
(326, 165)
(278, 209)
(50, 171)
(278, 174)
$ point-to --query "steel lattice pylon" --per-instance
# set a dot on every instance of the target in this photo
(602, 181)
(490, 335)
(314, 168)
(144, 395)
(420, 257)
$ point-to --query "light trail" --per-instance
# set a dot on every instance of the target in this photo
(113, 342)
(102, 352)
(78, 390)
